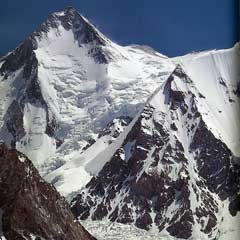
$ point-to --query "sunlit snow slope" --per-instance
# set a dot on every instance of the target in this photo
(217, 76)
(84, 81)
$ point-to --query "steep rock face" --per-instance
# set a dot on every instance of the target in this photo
(20, 74)
(111, 131)
(170, 172)
(31, 207)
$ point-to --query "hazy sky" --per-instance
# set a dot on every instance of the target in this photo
(173, 27)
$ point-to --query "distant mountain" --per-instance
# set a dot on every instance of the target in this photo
(126, 133)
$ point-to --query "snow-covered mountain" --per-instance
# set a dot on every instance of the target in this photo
(65, 83)
(130, 135)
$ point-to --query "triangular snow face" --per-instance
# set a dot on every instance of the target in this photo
(81, 31)
(216, 74)
(170, 172)
(64, 84)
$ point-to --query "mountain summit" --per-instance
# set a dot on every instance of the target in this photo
(66, 82)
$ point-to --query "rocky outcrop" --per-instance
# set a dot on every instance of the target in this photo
(111, 131)
(31, 207)
(29, 93)
(14, 122)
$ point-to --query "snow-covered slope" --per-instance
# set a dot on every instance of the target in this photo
(82, 81)
(216, 74)
(106, 230)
